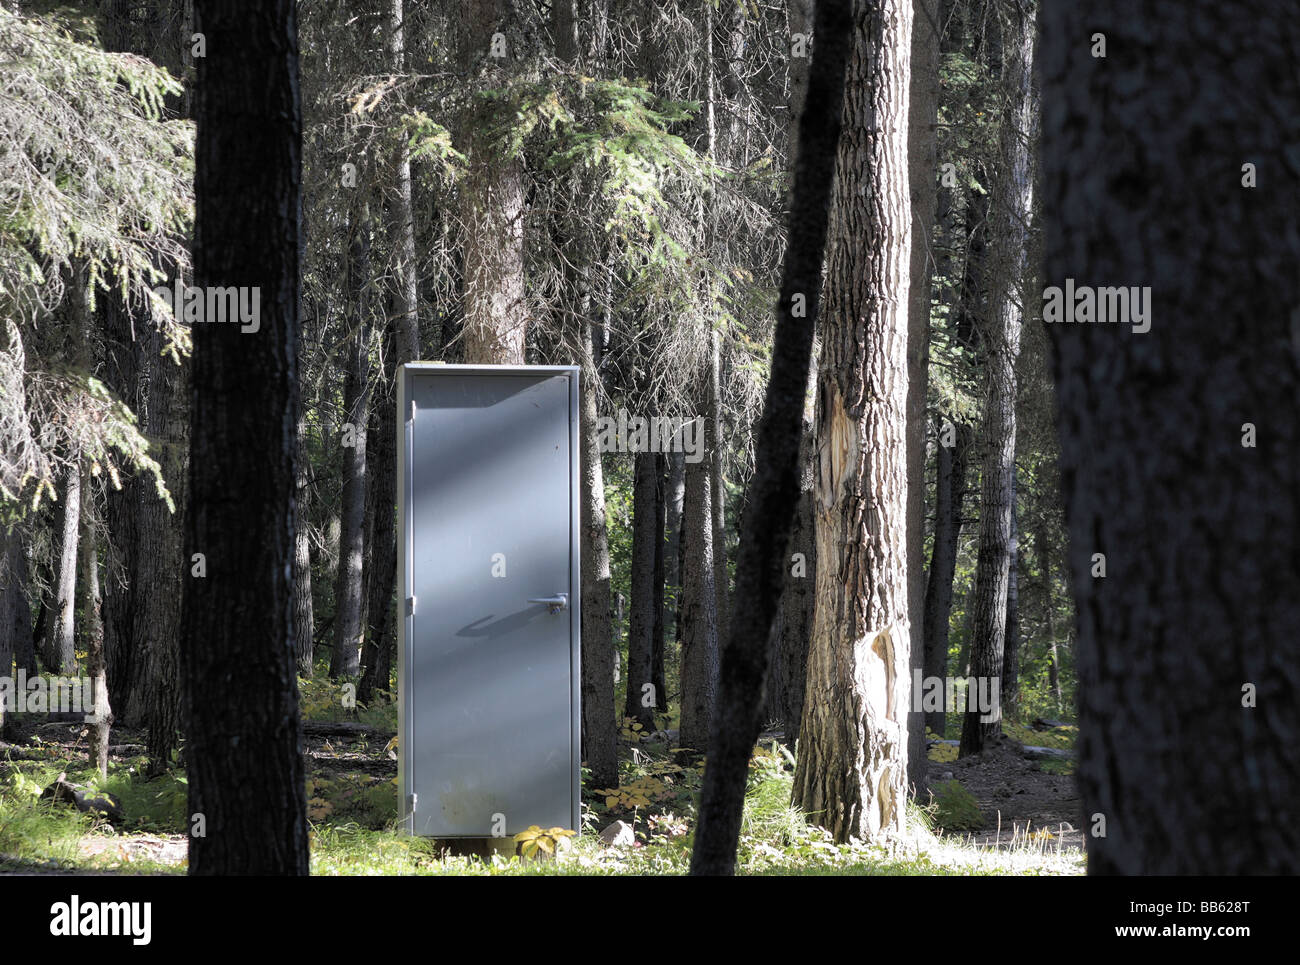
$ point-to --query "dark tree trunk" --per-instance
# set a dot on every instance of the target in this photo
(381, 543)
(852, 763)
(121, 375)
(15, 613)
(244, 753)
(1189, 726)
(774, 490)
(793, 627)
(950, 495)
(641, 698)
(159, 563)
(699, 652)
(657, 632)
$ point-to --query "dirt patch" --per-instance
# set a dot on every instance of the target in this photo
(1016, 798)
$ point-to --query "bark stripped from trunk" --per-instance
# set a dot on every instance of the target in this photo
(852, 765)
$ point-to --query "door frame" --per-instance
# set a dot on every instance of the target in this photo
(405, 562)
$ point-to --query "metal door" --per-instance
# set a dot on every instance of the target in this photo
(489, 575)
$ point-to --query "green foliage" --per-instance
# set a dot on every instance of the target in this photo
(955, 808)
(95, 192)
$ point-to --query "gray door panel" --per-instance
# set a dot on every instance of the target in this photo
(488, 699)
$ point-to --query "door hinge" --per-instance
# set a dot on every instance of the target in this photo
(410, 606)
(411, 417)
(411, 800)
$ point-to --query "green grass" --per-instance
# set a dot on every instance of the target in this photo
(354, 828)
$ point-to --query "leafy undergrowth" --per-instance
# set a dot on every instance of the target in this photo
(354, 828)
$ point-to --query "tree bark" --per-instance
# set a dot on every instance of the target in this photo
(304, 620)
(93, 635)
(349, 598)
(640, 703)
(599, 735)
(775, 486)
(922, 139)
(793, 627)
(950, 495)
(496, 312)
(699, 652)
(1189, 730)
(1010, 241)
(852, 763)
(247, 797)
(1011, 651)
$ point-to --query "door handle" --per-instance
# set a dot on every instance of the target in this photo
(556, 603)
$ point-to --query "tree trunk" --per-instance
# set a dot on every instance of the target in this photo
(718, 493)
(699, 656)
(1043, 548)
(15, 613)
(640, 703)
(1011, 651)
(793, 626)
(852, 763)
(381, 541)
(304, 620)
(1189, 746)
(657, 631)
(159, 563)
(950, 495)
(599, 734)
(775, 486)
(349, 599)
(922, 139)
(60, 649)
(93, 636)
(247, 797)
(496, 312)
(1010, 242)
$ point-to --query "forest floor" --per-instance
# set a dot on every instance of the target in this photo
(1018, 799)
(352, 771)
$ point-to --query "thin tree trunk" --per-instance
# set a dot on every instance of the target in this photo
(1011, 651)
(304, 620)
(599, 735)
(93, 635)
(852, 764)
(349, 599)
(922, 173)
(640, 703)
(699, 654)
(718, 493)
(657, 631)
(950, 495)
(1010, 241)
